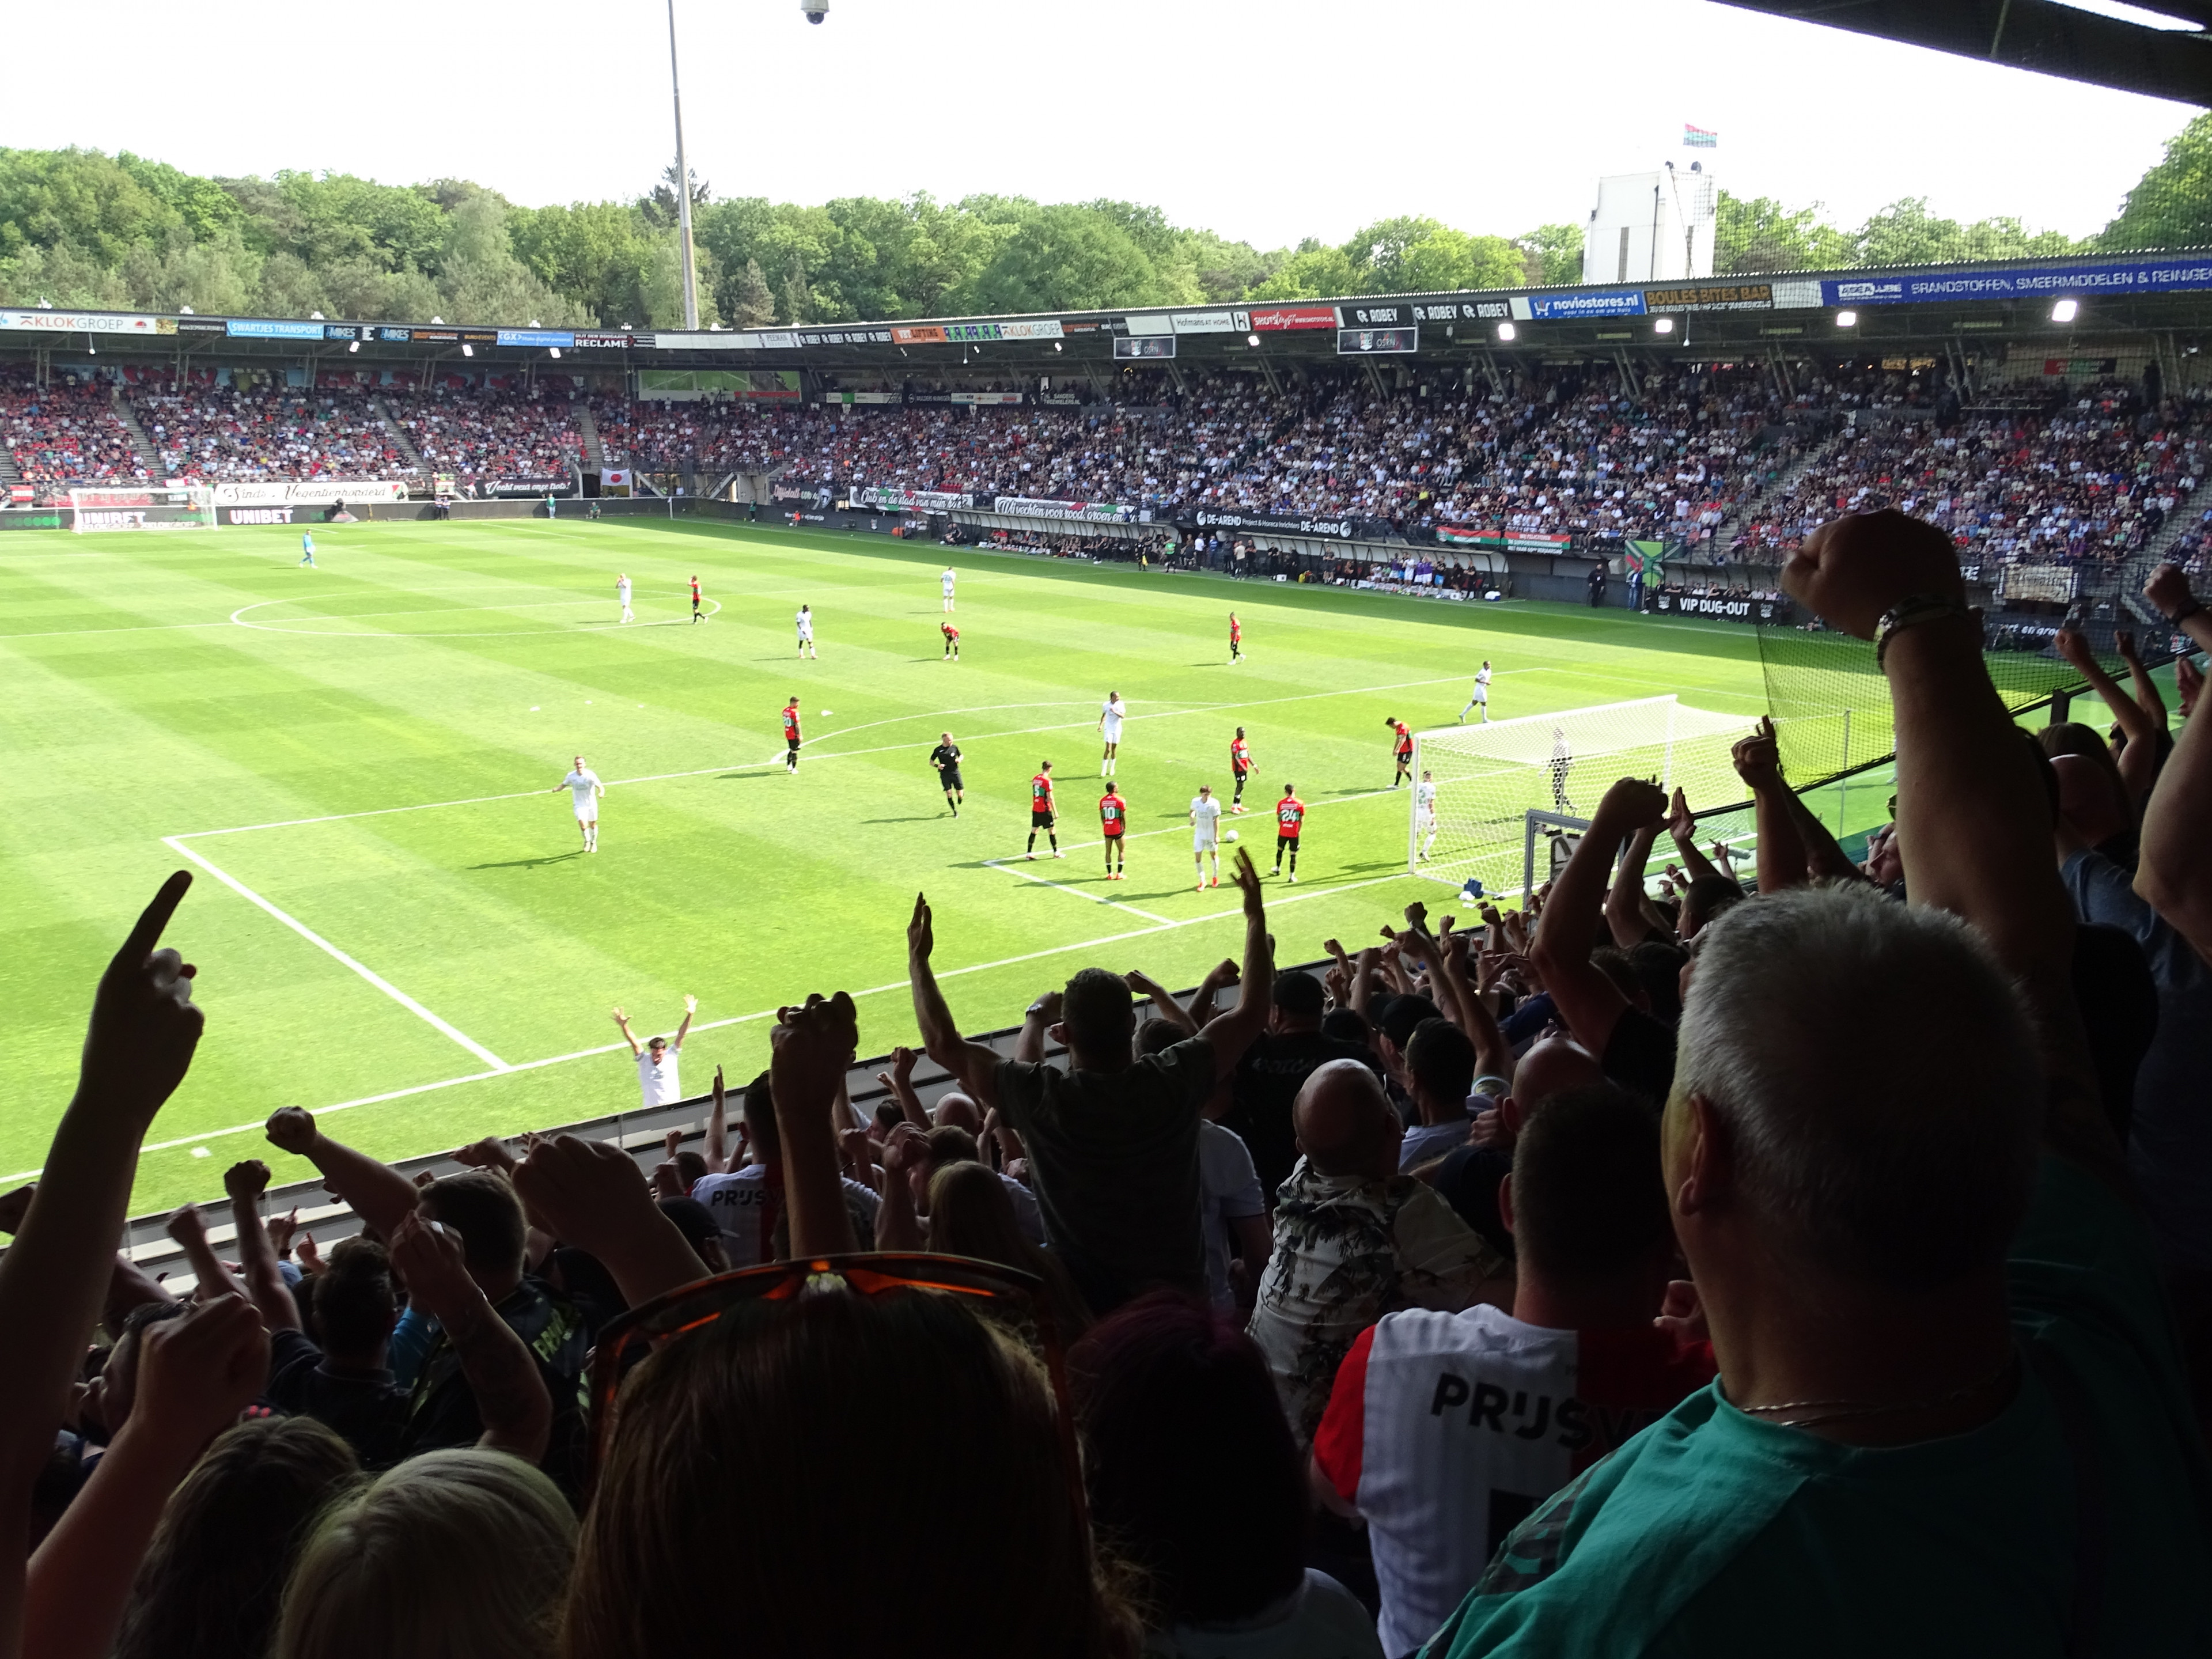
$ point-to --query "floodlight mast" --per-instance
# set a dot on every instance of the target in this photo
(682, 185)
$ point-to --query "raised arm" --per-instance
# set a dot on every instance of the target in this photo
(379, 1195)
(1591, 1003)
(1163, 1000)
(1780, 859)
(209, 1277)
(1037, 1020)
(245, 1182)
(590, 1195)
(1974, 817)
(53, 1278)
(1682, 831)
(718, 1130)
(1624, 901)
(511, 1398)
(1232, 1033)
(690, 1007)
(814, 1047)
(2175, 873)
(1222, 974)
(898, 1227)
(622, 1024)
(972, 1065)
(2168, 590)
(900, 1081)
(2140, 684)
(2126, 711)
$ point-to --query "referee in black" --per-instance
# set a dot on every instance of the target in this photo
(945, 758)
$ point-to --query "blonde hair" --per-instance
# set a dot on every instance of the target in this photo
(461, 1554)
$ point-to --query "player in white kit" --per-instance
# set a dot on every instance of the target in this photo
(656, 1059)
(945, 581)
(1111, 712)
(584, 789)
(1206, 833)
(1424, 813)
(1481, 697)
(622, 593)
(806, 632)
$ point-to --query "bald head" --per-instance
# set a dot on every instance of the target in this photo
(1345, 1122)
(1553, 1067)
(956, 1110)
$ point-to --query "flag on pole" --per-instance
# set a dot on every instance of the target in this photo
(1699, 138)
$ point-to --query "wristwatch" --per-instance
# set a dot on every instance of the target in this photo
(1911, 612)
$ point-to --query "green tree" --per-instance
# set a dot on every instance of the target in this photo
(1314, 273)
(1758, 233)
(79, 196)
(593, 252)
(1063, 259)
(752, 305)
(1906, 234)
(2171, 205)
(1551, 254)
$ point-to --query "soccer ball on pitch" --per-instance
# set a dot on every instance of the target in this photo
(1230, 835)
(825, 714)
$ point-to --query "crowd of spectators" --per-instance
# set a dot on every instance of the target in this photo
(221, 434)
(65, 432)
(479, 436)
(2089, 482)
(1814, 1258)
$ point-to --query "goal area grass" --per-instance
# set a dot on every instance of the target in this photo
(392, 913)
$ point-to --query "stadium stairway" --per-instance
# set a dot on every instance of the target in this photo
(2128, 580)
(400, 440)
(595, 452)
(149, 462)
(9, 476)
(642, 1135)
(1724, 532)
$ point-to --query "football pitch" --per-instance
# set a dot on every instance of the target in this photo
(391, 914)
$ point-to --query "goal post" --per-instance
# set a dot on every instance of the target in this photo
(1497, 789)
(140, 507)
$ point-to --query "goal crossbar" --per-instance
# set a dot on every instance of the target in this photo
(1480, 790)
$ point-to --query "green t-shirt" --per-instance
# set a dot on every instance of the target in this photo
(1115, 1156)
(1712, 1533)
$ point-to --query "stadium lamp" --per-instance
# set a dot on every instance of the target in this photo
(557, 352)
(354, 346)
(2065, 311)
(1664, 325)
(468, 351)
(1847, 319)
(1507, 332)
(1252, 340)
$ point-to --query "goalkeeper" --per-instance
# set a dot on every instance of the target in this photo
(1562, 763)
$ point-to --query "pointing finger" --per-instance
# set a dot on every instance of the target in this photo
(146, 933)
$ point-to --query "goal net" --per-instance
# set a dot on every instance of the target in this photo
(143, 507)
(1490, 779)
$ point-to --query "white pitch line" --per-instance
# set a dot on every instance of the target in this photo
(1274, 903)
(176, 844)
(1096, 898)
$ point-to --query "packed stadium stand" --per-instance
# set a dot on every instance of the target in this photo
(63, 432)
(476, 434)
(216, 434)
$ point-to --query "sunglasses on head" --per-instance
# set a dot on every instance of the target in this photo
(986, 1286)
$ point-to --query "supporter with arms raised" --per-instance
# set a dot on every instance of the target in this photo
(1950, 1414)
(1113, 1140)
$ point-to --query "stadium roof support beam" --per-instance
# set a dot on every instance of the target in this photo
(2042, 36)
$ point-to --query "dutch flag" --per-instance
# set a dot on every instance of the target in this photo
(1699, 138)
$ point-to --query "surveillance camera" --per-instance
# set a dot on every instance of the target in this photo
(815, 10)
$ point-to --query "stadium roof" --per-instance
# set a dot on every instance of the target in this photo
(2046, 36)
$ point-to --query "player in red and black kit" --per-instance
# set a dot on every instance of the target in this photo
(1235, 639)
(951, 639)
(1401, 745)
(1240, 762)
(1042, 815)
(1289, 818)
(791, 734)
(697, 616)
(1113, 819)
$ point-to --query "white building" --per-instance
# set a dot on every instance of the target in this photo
(1652, 226)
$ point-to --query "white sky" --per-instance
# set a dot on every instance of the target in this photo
(1264, 119)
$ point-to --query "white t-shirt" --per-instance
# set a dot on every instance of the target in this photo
(1112, 710)
(1428, 1140)
(622, 588)
(584, 788)
(947, 580)
(1205, 819)
(661, 1085)
(1229, 1190)
(1424, 797)
(805, 624)
(742, 1204)
(1482, 683)
(1446, 1430)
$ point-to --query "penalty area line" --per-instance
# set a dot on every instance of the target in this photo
(175, 844)
(504, 1069)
